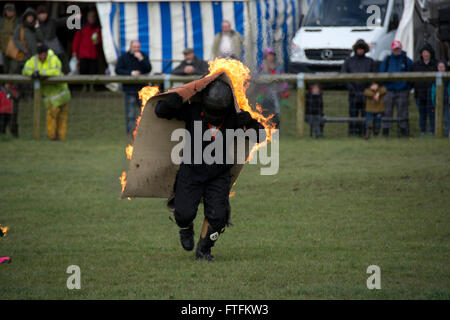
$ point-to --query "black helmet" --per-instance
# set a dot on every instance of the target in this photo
(217, 101)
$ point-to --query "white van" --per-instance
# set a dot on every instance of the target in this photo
(331, 27)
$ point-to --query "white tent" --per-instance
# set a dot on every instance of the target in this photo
(405, 31)
(165, 28)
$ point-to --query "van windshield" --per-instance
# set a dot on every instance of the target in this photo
(341, 13)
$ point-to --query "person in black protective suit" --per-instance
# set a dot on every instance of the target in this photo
(208, 181)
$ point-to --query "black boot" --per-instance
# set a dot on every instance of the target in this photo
(187, 237)
(367, 135)
(376, 131)
(385, 132)
(203, 251)
(204, 245)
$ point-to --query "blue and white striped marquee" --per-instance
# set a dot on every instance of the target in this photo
(165, 28)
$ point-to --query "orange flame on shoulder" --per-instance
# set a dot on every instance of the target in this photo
(239, 76)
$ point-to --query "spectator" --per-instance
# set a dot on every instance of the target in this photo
(374, 108)
(8, 94)
(227, 43)
(356, 99)
(314, 109)
(86, 44)
(269, 95)
(134, 62)
(55, 97)
(442, 67)
(191, 64)
(8, 23)
(27, 35)
(48, 28)
(398, 91)
(422, 89)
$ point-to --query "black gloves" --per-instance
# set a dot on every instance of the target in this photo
(243, 118)
(172, 101)
(169, 106)
(35, 75)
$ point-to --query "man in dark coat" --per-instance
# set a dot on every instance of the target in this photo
(27, 36)
(191, 65)
(49, 26)
(134, 62)
(356, 99)
(32, 35)
(422, 89)
(8, 23)
(212, 111)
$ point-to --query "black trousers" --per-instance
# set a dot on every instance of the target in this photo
(88, 66)
(15, 119)
(191, 186)
(5, 121)
(357, 109)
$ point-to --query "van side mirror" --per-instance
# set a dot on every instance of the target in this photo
(393, 24)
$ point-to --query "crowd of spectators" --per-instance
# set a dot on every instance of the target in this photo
(21, 36)
(377, 101)
(30, 41)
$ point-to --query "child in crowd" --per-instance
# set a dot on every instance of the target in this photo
(314, 109)
(270, 95)
(374, 108)
(7, 95)
(442, 67)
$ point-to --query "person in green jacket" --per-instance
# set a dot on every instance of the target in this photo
(55, 97)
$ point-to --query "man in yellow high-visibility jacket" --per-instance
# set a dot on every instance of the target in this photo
(55, 97)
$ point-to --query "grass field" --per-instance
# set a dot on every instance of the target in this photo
(336, 206)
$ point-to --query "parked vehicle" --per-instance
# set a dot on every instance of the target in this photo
(331, 27)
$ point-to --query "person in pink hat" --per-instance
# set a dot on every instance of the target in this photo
(398, 91)
(269, 96)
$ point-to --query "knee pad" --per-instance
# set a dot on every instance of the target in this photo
(205, 244)
(182, 219)
(218, 226)
(218, 220)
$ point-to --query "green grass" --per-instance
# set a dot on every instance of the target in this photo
(336, 206)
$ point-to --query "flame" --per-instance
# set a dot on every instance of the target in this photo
(232, 194)
(129, 151)
(123, 180)
(239, 75)
(3, 230)
(144, 94)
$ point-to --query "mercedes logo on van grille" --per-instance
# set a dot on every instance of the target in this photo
(326, 54)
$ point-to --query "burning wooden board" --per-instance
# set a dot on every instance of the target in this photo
(152, 173)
